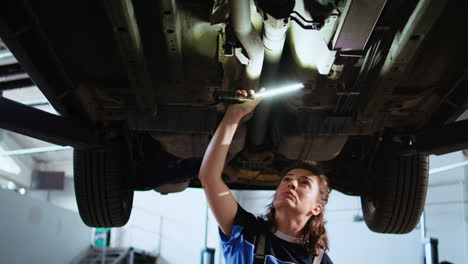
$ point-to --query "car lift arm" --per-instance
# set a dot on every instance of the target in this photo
(449, 138)
(42, 125)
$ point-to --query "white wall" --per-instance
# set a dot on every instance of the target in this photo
(62, 198)
(446, 214)
(34, 231)
(465, 207)
(172, 226)
(26, 163)
(352, 240)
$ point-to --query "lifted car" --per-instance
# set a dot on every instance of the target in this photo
(133, 81)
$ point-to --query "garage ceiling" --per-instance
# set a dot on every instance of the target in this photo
(33, 96)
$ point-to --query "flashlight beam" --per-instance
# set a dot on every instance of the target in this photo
(282, 90)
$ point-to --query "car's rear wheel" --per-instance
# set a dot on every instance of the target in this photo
(102, 195)
(399, 193)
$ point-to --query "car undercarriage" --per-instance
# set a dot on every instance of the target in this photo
(133, 81)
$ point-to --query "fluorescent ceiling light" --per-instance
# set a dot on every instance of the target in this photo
(32, 151)
(448, 167)
(6, 55)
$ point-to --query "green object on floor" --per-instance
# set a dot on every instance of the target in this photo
(101, 237)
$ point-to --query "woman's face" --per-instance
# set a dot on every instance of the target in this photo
(298, 191)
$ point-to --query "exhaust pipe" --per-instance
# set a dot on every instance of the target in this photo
(250, 40)
(275, 25)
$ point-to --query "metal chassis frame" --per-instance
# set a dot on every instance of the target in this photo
(401, 53)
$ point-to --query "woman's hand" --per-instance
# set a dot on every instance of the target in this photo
(240, 110)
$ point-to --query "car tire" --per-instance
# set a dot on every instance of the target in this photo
(397, 201)
(100, 186)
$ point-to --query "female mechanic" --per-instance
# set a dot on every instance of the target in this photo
(293, 231)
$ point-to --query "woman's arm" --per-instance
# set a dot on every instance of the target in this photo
(221, 201)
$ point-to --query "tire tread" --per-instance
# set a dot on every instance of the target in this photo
(100, 186)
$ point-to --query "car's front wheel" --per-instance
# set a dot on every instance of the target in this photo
(399, 192)
(102, 195)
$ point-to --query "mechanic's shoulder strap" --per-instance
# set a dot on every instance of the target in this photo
(259, 257)
(318, 259)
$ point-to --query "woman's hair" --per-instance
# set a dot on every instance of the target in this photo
(313, 236)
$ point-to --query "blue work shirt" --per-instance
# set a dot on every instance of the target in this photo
(240, 246)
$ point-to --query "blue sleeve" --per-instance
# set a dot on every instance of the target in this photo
(238, 248)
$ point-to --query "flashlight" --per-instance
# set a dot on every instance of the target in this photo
(233, 98)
